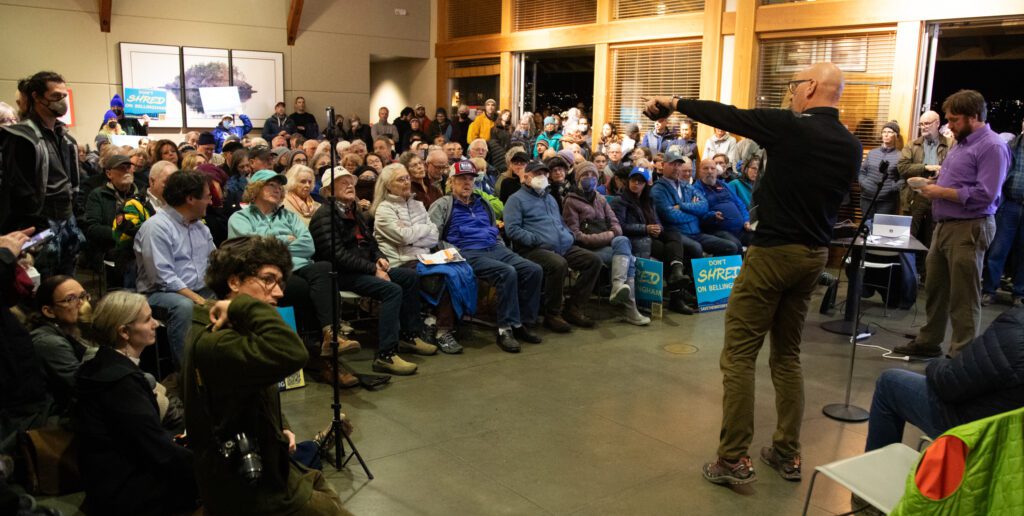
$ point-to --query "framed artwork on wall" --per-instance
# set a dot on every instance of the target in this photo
(204, 69)
(259, 77)
(156, 68)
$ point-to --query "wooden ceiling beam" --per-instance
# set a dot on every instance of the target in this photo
(105, 9)
(294, 14)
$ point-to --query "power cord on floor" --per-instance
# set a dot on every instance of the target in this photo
(888, 352)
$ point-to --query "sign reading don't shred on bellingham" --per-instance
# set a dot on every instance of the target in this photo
(713, 279)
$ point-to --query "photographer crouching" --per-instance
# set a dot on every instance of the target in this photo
(238, 351)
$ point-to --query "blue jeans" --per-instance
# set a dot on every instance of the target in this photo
(399, 303)
(517, 280)
(1009, 236)
(179, 317)
(902, 397)
(620, 246)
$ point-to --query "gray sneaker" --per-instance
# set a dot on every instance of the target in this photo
(446, 341)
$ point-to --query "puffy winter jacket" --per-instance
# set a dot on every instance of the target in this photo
(352, 254)
(577, 211)
(987, 377)
(683, 214)
(220, 133)
(402, 229)
(631, 217)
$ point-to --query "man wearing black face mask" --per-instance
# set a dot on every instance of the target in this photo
(460, 127)
(131, 126)
(40, 163)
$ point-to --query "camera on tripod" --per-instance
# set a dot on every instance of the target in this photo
(250, 464)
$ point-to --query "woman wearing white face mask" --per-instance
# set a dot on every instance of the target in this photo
(593, 224)
(227, 127)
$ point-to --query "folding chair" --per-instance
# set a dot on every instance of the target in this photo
(878, 477)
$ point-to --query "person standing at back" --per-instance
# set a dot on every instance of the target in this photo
(964, 199)
(922, 158)
(41, 175)
(814, 159)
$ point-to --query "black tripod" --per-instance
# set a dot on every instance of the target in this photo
(336, 426)
(844, 411)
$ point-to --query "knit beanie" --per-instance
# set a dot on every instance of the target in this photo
(116, 101)
(892, 124)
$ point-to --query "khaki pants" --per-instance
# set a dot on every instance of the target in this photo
(324, 501)
(771, 294)
(955, 262)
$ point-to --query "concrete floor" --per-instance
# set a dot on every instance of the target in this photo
(602, 421)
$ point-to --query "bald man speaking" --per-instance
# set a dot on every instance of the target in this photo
(813, 158)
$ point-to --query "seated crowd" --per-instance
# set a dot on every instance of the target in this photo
(204, 234)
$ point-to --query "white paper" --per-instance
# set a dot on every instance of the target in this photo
(124, 139)
(221, 100)
(450, 255)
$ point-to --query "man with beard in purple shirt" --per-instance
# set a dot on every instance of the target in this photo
(964, 199)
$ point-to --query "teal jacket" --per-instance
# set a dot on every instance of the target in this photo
(282, 224)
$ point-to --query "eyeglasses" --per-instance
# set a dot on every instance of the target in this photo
(299, 161)
(74, 300)
(269, 281)
(793, 84)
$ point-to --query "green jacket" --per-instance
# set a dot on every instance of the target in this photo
(230, 383)
(993, 479)
(281, 224)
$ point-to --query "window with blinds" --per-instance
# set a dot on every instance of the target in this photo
(541, 14)
(672, 69)
(473, 18)
(867, 64)
(643, 8)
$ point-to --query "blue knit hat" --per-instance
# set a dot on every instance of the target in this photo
(116, 101)
(108, 115)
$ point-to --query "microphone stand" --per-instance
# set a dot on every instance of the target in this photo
(336, 426)
(844, 411)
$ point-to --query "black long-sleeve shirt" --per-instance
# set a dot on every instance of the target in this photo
(814, 158)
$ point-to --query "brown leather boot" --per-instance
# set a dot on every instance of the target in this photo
(344, 345)
(328, 369)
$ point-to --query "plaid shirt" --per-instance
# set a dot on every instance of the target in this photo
(1013, 188)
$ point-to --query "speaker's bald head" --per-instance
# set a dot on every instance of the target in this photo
(820, 84)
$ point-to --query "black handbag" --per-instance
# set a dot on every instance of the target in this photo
(595, 227)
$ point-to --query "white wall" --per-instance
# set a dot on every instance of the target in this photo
(397, 83)
(329, 63)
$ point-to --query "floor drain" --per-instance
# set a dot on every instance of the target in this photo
(681, 349)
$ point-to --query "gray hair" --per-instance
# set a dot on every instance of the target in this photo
(117, 309)
(160, 169)
(380, 190)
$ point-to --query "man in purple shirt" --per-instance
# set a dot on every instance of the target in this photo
(964, 199)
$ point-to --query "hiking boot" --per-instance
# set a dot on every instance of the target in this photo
(429, 334)
(788, 469)
(344, 345)
(576, 317)
(987, 299)
(556, 324)
(328, 369)
(393, 364)
(913, 349)
(417, 346)
(724, 472)
(524, 334)
(446, 341)
(507, 342)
